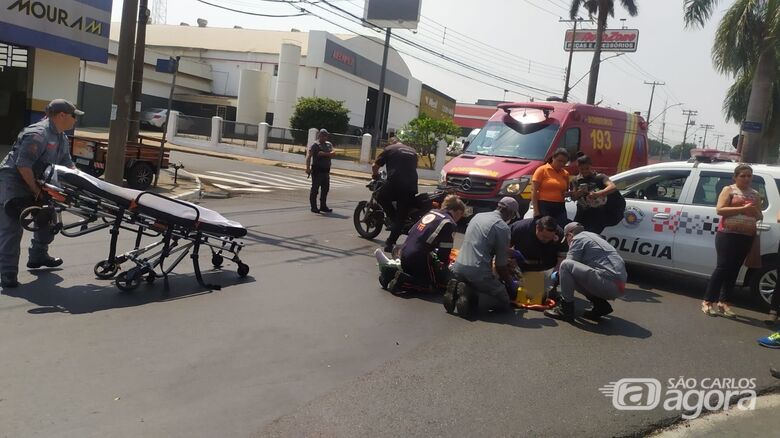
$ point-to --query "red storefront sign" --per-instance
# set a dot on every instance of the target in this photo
(614, 40)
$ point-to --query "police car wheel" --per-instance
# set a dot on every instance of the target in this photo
(763, 282)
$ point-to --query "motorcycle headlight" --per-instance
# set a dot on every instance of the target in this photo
(513, 186)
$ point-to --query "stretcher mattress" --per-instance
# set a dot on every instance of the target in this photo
(163, 209)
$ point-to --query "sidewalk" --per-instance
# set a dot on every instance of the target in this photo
(103, 133)
(764, 421)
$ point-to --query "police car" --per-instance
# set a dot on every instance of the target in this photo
(670, 220)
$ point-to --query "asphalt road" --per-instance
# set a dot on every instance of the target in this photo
(309, 345)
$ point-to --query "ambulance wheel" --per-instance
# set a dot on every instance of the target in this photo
(28, 218)
(243, 270)
(106, 269)
(365, 221)
(217, 260)
(128, 281)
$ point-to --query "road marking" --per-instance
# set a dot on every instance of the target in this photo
(241, 189)
(263, 181)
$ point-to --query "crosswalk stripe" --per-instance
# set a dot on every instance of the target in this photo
(335, 180)
(256, 179)
(232, 181)
(241, 189)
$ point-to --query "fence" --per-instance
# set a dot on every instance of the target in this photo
(198, 128)
(279, 144)
(287, 140)
(239, 134)
(347, 147)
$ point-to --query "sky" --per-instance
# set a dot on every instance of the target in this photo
(522, 41)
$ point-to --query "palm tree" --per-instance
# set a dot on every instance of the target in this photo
(747, 46)
(603, 9)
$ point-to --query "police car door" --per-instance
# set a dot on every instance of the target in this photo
(646, 234)
(694, 247)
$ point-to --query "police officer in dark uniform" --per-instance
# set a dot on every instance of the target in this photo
(39, 145)
(434, 232)
(401, 186)
(318, 161)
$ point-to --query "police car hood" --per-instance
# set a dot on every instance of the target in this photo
(499, 168)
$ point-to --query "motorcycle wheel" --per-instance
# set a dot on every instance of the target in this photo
(365, 222)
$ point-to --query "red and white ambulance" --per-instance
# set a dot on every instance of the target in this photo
(520, 137)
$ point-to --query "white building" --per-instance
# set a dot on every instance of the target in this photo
(258, 75)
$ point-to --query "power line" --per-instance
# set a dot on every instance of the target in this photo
(251, 13)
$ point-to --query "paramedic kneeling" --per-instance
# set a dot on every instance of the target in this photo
(487, 236)
(433, 232)
(539, 243)
(37, 146)
(594, 268)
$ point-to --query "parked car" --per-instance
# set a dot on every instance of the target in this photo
(156, 117)
(670, 220)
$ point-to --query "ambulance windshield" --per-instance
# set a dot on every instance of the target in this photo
(515, 140)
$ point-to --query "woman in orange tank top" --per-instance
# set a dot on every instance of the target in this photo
(550, 184)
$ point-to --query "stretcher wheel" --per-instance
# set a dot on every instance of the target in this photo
(217, 260)
(28, 218)
(151, 277)
(128, 281)
(106, 269)
(243, 270)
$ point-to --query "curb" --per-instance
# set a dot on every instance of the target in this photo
(191, 195)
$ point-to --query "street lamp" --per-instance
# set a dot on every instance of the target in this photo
(586, 74)
(664, 112)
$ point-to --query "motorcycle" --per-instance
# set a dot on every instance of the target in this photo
(369, 217)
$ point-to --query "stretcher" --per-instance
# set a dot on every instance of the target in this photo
(178, 228)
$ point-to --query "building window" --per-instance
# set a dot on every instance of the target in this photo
(276, 69)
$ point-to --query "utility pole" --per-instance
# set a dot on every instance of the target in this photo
(688, 113)
(380, 108)
(571, 52)
(706, 128)
(652, 93)
(717, 141)
(138, 70)
(663, 121)
(120, 109)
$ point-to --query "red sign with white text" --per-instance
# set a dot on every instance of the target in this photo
(614, 40)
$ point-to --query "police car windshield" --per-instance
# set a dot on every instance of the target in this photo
(515, 140)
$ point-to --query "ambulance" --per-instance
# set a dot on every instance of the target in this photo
(520, 137)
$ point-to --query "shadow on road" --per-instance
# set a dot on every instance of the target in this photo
(88, 298)
(308, 249)
(641, 296)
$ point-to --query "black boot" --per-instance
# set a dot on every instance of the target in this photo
(450, 295)
(324, 204)
(600, 308)
(8, 280)
(313, 202)
(564, 311)
(44, 262)
(467, 303)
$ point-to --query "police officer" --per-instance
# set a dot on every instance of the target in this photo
(401, 186)
(434, 232)
(318, 161)
(39, 145)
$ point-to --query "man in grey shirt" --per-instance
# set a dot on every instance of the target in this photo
(487, 236)
(594, 268)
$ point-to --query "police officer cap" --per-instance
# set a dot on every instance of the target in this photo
(63, 106)
(324, 131)
(510, 204)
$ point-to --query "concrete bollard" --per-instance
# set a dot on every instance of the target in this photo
(441, 155)
(172, 126)
(216, 131)
(262, 136)
(365, 149)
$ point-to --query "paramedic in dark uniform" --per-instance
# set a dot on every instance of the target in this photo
(433, 232)
(318, 161)
(539, 243)
(37, 146)
(401, 186)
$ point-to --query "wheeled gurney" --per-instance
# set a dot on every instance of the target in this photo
(178, 227)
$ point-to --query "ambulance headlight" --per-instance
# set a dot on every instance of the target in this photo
(513, 186)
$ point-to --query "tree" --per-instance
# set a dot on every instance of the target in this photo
(603, 9)
(747, 46)
(423, 134)
(682, 151)
(658, 149)
(320, 112)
